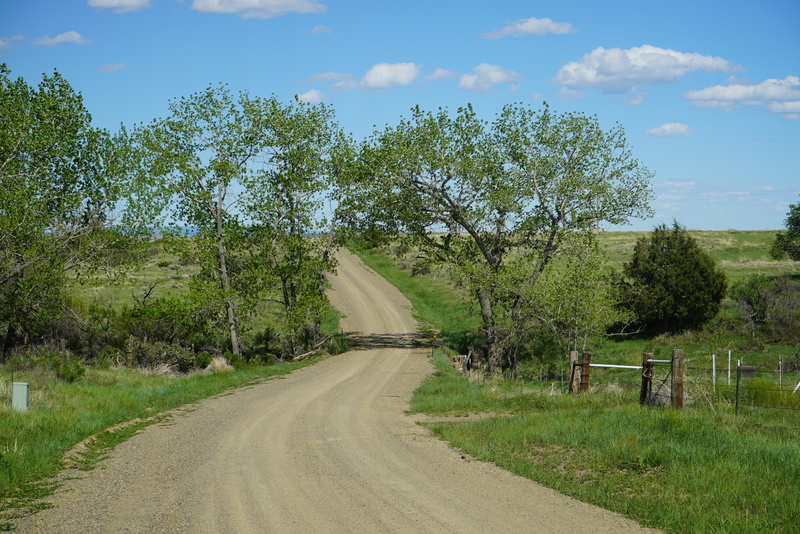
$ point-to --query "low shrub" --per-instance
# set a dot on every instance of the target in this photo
(157, 353)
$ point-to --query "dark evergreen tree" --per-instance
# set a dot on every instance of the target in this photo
(671, 284)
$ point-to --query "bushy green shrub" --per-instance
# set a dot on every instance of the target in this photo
(202, 359)
(63, 365)
(770, 306)
(671, 284)
(157, 353)
(69, 371)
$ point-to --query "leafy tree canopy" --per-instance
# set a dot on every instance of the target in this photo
(495, 202)
(62, 182)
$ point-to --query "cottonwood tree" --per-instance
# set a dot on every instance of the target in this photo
(574, 299)
(61, 183)
(249, 176)
(197, 160)
(494, 203)
(306, 163)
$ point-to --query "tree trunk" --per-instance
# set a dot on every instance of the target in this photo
(9, 342)
(493, 349)
(225, 280)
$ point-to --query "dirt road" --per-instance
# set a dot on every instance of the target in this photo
(327, 449)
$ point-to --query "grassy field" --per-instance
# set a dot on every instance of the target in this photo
(678, 470)
(738, 253)
(161, 270)
(700, 469)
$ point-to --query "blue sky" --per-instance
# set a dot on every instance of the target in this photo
(708, 91)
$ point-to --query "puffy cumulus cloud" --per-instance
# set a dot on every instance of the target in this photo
(312, 96)
(485, 77)
(670, 129)
(258, 9)
(384, 75)
(66, 37)
(615, 70)
(113, 67)
(777, 96)
(7, 43)
(380, 76)
(120, 6)
(531, 26)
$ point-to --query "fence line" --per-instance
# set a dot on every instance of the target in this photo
(758, 387)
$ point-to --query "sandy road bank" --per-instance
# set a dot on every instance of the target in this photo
(326, 449)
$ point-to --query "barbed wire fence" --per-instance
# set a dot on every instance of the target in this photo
(768, 386)
(772, 386)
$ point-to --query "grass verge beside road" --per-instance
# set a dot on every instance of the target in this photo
(698, 469)
(676, 470)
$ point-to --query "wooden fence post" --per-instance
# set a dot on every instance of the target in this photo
(585, 372)
(574, 372)
(677, 378)
(647, 378)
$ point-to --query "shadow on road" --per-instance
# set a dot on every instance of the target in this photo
(361, 341)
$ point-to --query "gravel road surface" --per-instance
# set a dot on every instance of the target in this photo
(327, 449)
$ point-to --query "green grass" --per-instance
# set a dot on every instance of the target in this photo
(678, 470)
(700, 469)
(161, 269)
(738, 253)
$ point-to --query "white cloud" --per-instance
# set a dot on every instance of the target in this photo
(441, 74)
(320, 30)
(777, 96)
(120, 6)
(615, 70)
(113, 67)
(486, 76)
(385, 75)
(258, 9)
(66, 37)
(7, 43)
(531, 26)
(670, 129)
(312, 96)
